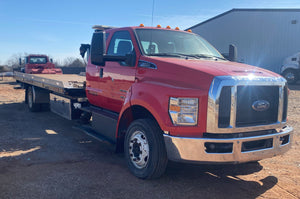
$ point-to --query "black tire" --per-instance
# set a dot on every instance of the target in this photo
(145, 165)
(291, 76)
(33, 107)
(85, 117)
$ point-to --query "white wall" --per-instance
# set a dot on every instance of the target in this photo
(263, 38)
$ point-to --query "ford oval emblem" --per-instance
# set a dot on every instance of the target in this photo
(261, 105)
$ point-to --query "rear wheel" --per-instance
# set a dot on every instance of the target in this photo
(33, 107)
(144, 148)
(85, 117)
(291, 76)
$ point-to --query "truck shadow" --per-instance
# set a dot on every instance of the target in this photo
(221, 181)
(30, 135)
(219, 169)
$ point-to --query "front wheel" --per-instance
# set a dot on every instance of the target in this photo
(145, 150)
(291, 76)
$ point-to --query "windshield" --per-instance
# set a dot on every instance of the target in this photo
(37, 60)
(175, 43)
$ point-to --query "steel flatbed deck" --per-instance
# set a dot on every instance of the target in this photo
(65, 84)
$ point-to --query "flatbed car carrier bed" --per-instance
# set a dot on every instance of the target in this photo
(58, 91)
(65, 84)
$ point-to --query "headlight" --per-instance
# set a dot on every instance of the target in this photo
(183, 111)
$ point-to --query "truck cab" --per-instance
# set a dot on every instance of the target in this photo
(40, 64)
(173, 96)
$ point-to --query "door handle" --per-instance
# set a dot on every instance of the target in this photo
(101, 73)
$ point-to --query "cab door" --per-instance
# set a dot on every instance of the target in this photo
(119, 76)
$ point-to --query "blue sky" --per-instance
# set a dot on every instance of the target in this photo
(58, 27)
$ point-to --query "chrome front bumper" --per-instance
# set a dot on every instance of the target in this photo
(183, 149)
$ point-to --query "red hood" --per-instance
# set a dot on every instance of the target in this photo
(217, 68)
(197, 74)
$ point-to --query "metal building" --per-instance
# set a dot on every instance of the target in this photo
(263, 37)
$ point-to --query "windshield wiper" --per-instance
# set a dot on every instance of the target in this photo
(165, 54)
(208, 56)
(217, 57)
(179, 55)
(197, 56)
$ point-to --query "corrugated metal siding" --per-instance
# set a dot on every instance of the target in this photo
(263, 38)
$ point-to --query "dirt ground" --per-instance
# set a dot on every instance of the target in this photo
(43, 156)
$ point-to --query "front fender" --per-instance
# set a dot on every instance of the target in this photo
(155, 102)
(155, 98)
(142, 99)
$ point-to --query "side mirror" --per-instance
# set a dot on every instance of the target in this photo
(232, 53)
(20, 61)
(83, 48)
(51, 60)
(98, 48)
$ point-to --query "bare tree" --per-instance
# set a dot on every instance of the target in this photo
(73, 62)
(78, 63)
(13, 61)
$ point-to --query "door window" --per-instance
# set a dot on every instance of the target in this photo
(120, 44)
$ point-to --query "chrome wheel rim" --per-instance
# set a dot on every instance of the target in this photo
(139, 149)
(290, 76)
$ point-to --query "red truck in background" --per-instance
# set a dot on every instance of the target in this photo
(39, 64)
(160, 94)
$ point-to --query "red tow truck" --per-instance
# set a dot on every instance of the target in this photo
(161, 94)
(39, 64)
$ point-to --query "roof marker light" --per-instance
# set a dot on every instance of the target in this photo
(142, 25)
(158, 26)
(168, 27)
(189, 30)
(177, 28)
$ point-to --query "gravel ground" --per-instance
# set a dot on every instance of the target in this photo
(43, 156)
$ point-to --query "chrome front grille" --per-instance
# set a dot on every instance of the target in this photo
(247, 96)
(231, 101)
